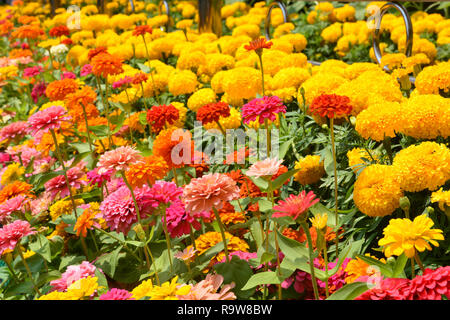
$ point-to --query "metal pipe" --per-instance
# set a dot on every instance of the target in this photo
(268, 17)
(209, 16)
(167, 12)
(408, 25)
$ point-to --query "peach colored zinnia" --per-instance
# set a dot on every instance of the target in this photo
(118, 159)
(211, 190)
(207, 290)
(264, 168)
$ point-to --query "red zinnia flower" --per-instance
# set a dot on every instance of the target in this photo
(158, 116)
(59, 31)
(67, 41)
(295, 206)
(331, 106)
(258, 45)
(142, 30)
(432, 285)
(212, 112)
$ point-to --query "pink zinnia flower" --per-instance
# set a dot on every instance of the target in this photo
(112, 186)
(119, 211)
(116, 294)
(12, 233)
(388, 289)
(32, 71)
(14, 130)
(118, 159)
(68, 75)
(264, 168)
(58, 184)
(207, 289)
(179, 222)
(262, 108)
(73, 273)
(432, 285)
(86, 70)
(4, 157)
(97, 179)
(165, 192)
(122, 82)
(211, 190)
(295, 206)
(11, 205)
(38, 91)
(47, 119)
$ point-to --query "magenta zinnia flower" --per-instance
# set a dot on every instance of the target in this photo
(179, 222)
(47, 119)
(58, 184)
(264, 168)
(165, 192)
(118, 159)
(72, 274)
(86, 70)
(97, 179)
(38, 91)
(117, 294)
(295, 206)
(11, 205)
(12, 233)
(32, 71)
(119, 211)
(14, 130)
(262, 108)
(211, 190)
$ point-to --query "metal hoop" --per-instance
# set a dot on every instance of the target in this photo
(132, 6)
(167, 10)
(268, 17)
(408, 26)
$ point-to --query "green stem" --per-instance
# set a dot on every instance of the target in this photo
(30, 275)
(269, 147)
(419, 262)
(325, 257)
(16, 279)
(87, 127)
(58, 154)
(166, 232)
(121, 242)
(222, 232)
(311, 259)
(262, 73)
(333, 147)
(93, 239)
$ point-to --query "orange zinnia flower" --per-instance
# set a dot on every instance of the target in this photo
(105, 64)
(331, 106)
(84, 222)
(59, 89)
(84, 96)
(151, 169)
(258, 45)
(15, 189)
(19, 53)
(27, 32)
(142, 30)
(163, 145)
(93, 52)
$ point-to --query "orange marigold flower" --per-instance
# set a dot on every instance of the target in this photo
(59, 89)
(258, 45)
(15, 189)
(147, 172)
(331, 106)
(212, 112)
(142, 30)
(77, 114)
(168, 139)
(105, 64)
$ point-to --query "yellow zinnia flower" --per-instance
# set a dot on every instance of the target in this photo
(406, 236)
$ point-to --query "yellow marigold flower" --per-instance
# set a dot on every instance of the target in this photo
(377, 192)
(297, 40)
(63, 206)
(290, 77)
(216, 62)
(28, 253)
(282, 45)
(332, 33)
(432, 79)
(182, 82)
(282, 29)
(298, 60)
(392, 60)
(423, 166)
(210, 239)
(321, 83)
(242, 83)
(85, 287)
(311, 18)
(354, 70)
(442, 197)
(12, 173)
(319, 221)
(273, 61)
(426, 117)
(200, 98)
(191, 61)
(359, 158)
(345, 43)
(358, 268)
(310, 170)
(250, 30)
(184, 24)
(406, 236)
(378, 121)
(182, 110)
(345, 13)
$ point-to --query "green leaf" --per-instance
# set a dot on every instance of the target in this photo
(42, 246)
(349, 291)
(144, 68)
(278, 182)
(267, 277)
(143, 119)
(70, 260)
(262, 184)
(40, 179)
(264, 205)
(81, 147)
(399, 266)
(99, 131)
(292, 249)
(102, 282)
(237, 271)
(284, 148)
(114, 260)
(20, 289)
(47, 277)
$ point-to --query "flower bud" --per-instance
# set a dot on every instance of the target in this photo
(325, 126)
(353, 120)
(139, 232)
(404, 203)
